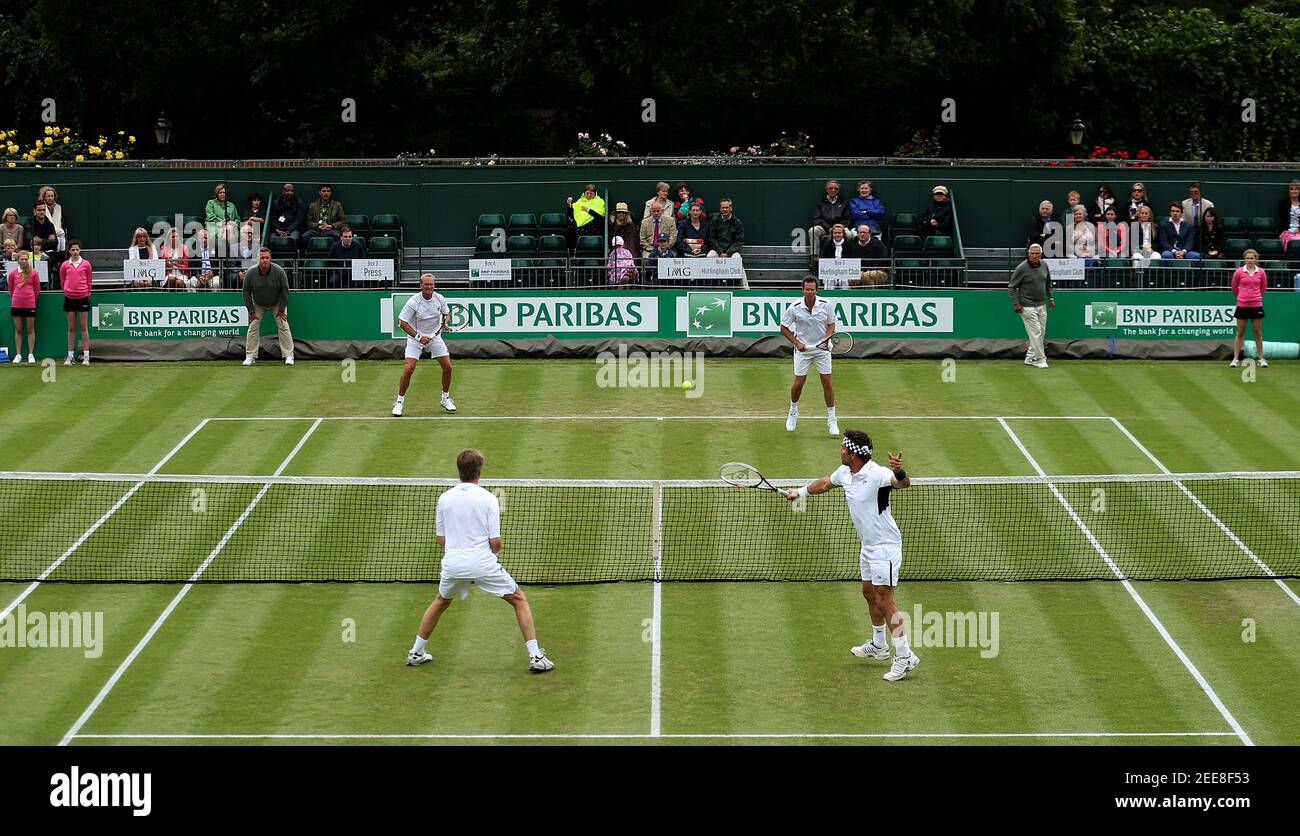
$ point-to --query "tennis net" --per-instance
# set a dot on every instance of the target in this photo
(135, 528)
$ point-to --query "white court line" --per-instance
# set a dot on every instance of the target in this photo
(1151, 616)
(749, 417)
(656, 652)
(728, 736)
(99, 522)
(180, 596)
(1268, 570)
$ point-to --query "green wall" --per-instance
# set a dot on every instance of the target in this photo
(439, 204)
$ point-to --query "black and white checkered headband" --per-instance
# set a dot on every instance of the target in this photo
(861, 449)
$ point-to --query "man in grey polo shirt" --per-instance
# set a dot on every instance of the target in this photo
(1031, 291)
(266, 287)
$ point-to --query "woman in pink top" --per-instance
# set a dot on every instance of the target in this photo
(24, 285)
(75, 277)
(1248, 284)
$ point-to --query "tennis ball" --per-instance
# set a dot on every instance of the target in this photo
(686, 384)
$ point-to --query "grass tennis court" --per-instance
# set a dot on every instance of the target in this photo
(1076, 662)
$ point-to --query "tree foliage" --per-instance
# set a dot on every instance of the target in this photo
(245, 79)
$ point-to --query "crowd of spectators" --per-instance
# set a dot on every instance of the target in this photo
(1105, 227)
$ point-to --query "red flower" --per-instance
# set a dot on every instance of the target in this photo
(1142, 155)
(1053, 162)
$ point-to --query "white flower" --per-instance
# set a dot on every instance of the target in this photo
(603, 152)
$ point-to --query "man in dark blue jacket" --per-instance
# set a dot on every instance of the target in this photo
(288, 214)
(342, 252)
(832, 209)
(1176, 237)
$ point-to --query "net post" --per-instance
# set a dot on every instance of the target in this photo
(657, 527)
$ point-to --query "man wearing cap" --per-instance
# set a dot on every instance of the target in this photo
(623, 226)
(937, 217)
(662, 250)
(654, 227)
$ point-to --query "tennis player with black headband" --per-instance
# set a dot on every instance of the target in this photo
(866, 487)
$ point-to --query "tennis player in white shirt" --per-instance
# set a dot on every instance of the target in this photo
(469, 532)
(422, 318)
(807, 324)
(867, 486)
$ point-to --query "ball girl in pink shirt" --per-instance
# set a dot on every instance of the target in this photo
(75, 277)
(1248, 284)
(24, 286)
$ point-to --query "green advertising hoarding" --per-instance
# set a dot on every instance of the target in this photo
(370, 317)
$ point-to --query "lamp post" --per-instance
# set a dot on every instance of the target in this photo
(162, 132)
(1077, 130)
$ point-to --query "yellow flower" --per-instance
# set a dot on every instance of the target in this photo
(80, 158)
(131, 139)
(49, 141)
(94, 149)
(66, 140)
(12, 149)
(13, 165)
(121, 133)
(120, 155)
(48, 130)
(103, 139)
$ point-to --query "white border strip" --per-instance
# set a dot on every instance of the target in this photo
(729, 736)
(180, 596)
(747, 417)
(140, 480)
(1237, 541)
(1151, 616)
(656, 614)
(444, 482)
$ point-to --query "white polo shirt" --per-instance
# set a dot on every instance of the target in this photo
(424, 315)
(468, 516)
(867, 495)
(809, 327)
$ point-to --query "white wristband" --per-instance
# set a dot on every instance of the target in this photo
(803, 491)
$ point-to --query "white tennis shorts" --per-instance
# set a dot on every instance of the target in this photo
(804, 359)
(455, 578)
(881, 565)
(436, 348)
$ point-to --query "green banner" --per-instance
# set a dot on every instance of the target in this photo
(368, 315)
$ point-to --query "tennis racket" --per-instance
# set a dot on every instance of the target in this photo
(455, 321)
(741, 475)
(837, 343)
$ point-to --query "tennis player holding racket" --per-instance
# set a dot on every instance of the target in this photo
(866, 490)
(806, 324)
(424, 318)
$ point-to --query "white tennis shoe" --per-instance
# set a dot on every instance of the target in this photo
(1263, 364)
(288, 360)
(539, 663)
(833, 426)
(902, 664)
(413, 658)
(447, 403)
(398, 406)
(1234, 364)
(248, 361)
(791, 420)
(1041, 364)
(870, 650)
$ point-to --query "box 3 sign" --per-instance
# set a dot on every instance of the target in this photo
(122, 321)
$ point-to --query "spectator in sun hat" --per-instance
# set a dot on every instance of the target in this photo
(937, 217)
(623, 226)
